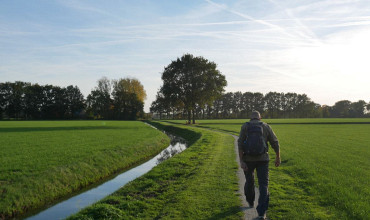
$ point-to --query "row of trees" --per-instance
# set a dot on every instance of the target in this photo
(110, 99)
(34, 101)
(193, 88)
(286, 105)
(271, 105)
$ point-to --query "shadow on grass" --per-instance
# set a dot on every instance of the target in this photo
(77, 128)
(272, 123)
(318, 123)
(229, 212)
(187, 134)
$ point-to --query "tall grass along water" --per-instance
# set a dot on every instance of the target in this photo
(80, 201)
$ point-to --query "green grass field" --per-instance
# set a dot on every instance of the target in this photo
(42, 161)
(325, 171)
(199, 183)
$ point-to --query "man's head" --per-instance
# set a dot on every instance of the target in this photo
(256, 115)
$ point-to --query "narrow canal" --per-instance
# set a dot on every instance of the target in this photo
(74, 204)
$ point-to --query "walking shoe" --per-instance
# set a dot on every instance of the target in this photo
(251, 205)
(262, 216)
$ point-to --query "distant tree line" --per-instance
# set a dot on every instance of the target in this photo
(110, 99)
(193, 88)
(271, 105)
(33, 101)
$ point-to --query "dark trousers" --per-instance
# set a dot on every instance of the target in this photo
(262, 168)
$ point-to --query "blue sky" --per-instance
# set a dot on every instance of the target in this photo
(320, 48)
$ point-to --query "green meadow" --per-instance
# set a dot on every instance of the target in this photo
(42, 161)
(324, 175)
(324, 172)
(325, 167)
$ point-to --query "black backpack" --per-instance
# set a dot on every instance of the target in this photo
(255, 143)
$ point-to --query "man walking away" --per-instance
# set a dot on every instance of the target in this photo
(253, 155)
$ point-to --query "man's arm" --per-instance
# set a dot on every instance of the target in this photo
(243, 165)
(277, 159)
(275, 145)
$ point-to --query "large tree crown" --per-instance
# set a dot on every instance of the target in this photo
(190, 81)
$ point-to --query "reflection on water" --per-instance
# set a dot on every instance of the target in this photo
(76, 203)
(177, 145)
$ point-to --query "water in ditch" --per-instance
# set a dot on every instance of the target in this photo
(74, 204)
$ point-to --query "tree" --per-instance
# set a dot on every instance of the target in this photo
(357, 109)
(301, 105)
(192, 81)
(75, 101)
(273, 103)
(15, 96)
(341, 109)
(258, 102)
(5, 96)
(289, 104)
(324, 111)
(160, 105)
(247, 104)
(60, 106)
(237, 104)
(132, 86)
(227, 105)
(33, 101)
(54, 102)
(128, 98)
(99, 101)
(217, 107)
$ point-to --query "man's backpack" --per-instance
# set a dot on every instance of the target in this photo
(255, 143)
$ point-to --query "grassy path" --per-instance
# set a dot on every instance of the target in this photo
(249, 213)
(199, 183)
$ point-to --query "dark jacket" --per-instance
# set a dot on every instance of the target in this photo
(269, 136)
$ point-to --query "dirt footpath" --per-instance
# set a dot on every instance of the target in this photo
(249, 213)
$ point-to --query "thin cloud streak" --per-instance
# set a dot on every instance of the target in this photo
(263, 22)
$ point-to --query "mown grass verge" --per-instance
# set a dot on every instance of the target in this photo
(325, 168)
(199, 183)
(43, 161)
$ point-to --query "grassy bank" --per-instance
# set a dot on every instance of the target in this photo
(325, 170)
(199, 183)
(42, 161)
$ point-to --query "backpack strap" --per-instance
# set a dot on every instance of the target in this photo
(248, 124)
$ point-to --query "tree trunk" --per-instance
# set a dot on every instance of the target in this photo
(193, 117)
(189, 116)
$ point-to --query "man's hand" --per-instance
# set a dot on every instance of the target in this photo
(277, 161)
(243, 165)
